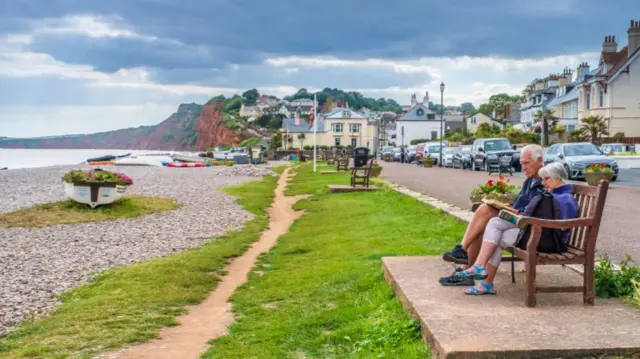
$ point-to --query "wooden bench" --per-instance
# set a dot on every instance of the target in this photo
(582, 243)
(361, 175)
(331, 159)
(342, 164)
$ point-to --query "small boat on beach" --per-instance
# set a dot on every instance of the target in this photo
(4, 168)
(186, 165)
(142, 161)
(102, 158)
(186, 158)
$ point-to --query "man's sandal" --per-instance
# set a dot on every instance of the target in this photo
(487, 289)
(480, 273)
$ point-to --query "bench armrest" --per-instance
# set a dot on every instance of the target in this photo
(523, 221)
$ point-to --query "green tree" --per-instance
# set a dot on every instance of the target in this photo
(301, 138)
(595, 127)
(548, 121)
(467, 107)
(250, 97)
(233, 105)
(216, 99)
(276, 141)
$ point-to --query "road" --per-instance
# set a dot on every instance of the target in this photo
(617, 236)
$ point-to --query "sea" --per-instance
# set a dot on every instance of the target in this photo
(30, 158)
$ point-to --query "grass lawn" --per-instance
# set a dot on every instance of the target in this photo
(70, 212)
(131, 304)
(321, 293)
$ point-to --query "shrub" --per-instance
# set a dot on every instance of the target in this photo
(613, 283)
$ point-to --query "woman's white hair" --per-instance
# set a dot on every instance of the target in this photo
(534, 150)
(555, 170)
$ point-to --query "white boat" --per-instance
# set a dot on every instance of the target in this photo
(143, 161)
(186, 158)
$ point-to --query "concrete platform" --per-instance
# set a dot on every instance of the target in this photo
(331, 172)
(490, 326)
(339, 188)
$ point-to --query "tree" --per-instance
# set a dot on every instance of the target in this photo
(216, 99)
(467, 107)
(250, 97)
(595, 127)
(263, 121)
(578, 135)
(276, 141)
(497, 103)
(233, 105)
(276, 121)
(546, 122)
(301, 138)
(618, 136)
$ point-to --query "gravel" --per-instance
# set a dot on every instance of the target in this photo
(38, 262)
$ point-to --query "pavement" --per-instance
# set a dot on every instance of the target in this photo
(560, 326)
(616, 239)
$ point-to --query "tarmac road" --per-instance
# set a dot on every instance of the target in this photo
(618, 232)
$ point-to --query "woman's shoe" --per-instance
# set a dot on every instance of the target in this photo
(486, 288)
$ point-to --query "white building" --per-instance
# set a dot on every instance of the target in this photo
(418, 123)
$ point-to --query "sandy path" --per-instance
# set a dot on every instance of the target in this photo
(211, 318)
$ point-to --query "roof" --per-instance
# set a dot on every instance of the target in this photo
(304, 126)
(514, 117)
(451, 118)
(616, 70)
(569, 96)
(338, 112)
(418, 112)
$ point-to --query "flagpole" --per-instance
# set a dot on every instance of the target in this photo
(315, 130)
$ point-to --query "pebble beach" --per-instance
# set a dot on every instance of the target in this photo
(37, 263)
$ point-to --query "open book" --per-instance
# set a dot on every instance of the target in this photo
(498, 205)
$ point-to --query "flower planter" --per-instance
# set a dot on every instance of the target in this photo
(376, 171)
(94, 194)
(594, 178)
(427, 162)
(504, 198)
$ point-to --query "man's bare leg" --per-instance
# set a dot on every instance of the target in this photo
(476, 227)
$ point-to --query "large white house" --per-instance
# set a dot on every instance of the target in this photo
(418, 122)
(612, 90)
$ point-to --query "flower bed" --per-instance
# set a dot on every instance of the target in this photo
(95, 187)
(376, 170)
(499, 190)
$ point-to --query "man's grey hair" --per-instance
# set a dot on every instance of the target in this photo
(534, 150)
(554, 170)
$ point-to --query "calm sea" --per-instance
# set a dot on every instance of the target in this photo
(19, 158)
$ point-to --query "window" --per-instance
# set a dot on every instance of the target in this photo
(553, 150)
(434, 135)
(588, 94)
(601, 97)
(346, 114)
(354, 127)
(354, 142)
(473, 120)
(431, 116)
(336, 141)
(336, 127)
(570, 128)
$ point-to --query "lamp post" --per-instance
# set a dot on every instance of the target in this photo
(441, 121)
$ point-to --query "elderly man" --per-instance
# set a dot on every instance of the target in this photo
(465, 254)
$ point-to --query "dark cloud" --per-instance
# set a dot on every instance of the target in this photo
(242, 31)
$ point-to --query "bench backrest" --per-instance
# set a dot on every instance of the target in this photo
(591, 204)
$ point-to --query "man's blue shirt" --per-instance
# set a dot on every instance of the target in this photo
(530, 188)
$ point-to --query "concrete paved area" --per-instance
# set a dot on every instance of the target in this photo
(460, 326)
(618, 231)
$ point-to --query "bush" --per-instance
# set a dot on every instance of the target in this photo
(613, 283)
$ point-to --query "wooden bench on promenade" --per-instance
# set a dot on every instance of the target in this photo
(582, 243)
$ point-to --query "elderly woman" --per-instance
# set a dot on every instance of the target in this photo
(501, 234)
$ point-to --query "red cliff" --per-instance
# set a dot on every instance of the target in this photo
(212, 129)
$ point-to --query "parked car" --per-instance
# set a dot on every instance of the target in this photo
(396, 154)
(611, 148)
(411, 153)
(448, 154)
(487, 151)
(577, 156)
(462, 159)
(387, 150)
(432, 150)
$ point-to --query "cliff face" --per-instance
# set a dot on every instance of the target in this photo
(212, 128)
(178, 132)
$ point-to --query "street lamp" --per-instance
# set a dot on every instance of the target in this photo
(441, 121)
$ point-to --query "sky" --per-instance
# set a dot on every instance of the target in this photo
(80, 66)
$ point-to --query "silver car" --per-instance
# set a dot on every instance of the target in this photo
(577, 156)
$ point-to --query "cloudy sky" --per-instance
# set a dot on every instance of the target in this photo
(78, 66)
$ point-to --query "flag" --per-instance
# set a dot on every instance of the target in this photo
(312, 116)
(296, 120)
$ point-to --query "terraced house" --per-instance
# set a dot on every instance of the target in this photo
(613, 89)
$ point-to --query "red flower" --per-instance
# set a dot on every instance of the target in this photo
(501, 178)
(490, 182)
(601, 165)
(593, 165)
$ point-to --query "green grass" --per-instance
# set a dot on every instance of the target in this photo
(130, 304)
(70, 212)
(322, 294)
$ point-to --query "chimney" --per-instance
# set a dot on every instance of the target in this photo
(609, 44)
(413, 100)
(583, 70)
(507, 110)
(634, 37)
(425, 101)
